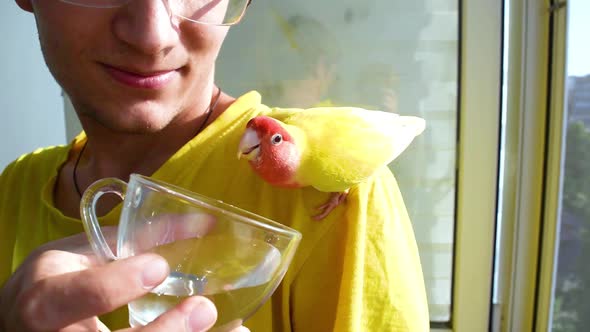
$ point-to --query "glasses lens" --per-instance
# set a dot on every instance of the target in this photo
(217, 12)
(97, 3)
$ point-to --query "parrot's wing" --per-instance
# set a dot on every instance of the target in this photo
(345, 146)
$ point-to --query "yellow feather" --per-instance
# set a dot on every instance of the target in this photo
(343, 146)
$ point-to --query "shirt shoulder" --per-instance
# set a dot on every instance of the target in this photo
(21, 207)
(33, 169)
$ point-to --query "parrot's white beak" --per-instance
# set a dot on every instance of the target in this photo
(249, 145)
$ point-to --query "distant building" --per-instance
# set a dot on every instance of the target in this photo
(578, 99)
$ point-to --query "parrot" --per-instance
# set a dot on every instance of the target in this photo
(328, 148)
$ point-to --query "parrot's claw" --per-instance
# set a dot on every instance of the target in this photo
(334, 200)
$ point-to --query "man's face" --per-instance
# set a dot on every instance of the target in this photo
(134, 68)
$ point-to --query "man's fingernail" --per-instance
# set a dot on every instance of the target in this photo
(202, 316)
(155, 272)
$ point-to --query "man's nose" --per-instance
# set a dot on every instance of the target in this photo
(148, 26)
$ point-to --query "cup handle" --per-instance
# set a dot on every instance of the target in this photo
(90, 220)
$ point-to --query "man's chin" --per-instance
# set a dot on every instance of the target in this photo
(139, 123)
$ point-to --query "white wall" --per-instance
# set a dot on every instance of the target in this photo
(31, 106)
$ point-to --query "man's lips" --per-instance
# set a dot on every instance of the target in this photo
(148, 80)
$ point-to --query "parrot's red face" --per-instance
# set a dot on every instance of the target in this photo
(271, 151)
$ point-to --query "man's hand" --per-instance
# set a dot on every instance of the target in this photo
(61, 287)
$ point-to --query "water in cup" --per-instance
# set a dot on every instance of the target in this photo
(230, 273)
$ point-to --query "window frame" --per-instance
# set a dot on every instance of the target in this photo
(532, 182)
(480, 85)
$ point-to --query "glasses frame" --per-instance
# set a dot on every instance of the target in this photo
(73, 3)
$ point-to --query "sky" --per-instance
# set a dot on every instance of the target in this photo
(578, 42)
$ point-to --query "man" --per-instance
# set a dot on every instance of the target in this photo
(140, 74)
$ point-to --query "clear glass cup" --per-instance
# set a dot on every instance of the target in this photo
(233, 257)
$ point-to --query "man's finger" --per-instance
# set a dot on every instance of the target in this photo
(62, 300)
(90, 324)
(194, 314)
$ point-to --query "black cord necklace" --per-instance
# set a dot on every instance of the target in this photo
(208, 112)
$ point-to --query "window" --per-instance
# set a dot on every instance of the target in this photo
(571, 297)
(402, 57)
(543, 150)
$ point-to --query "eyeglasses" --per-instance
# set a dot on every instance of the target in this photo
(210, 12)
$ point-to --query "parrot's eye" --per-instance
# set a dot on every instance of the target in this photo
(276, 139)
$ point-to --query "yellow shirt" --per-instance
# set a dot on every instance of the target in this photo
(357, 270)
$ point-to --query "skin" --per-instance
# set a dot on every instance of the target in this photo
(35, 298)
(123, 122)
(60, 286)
